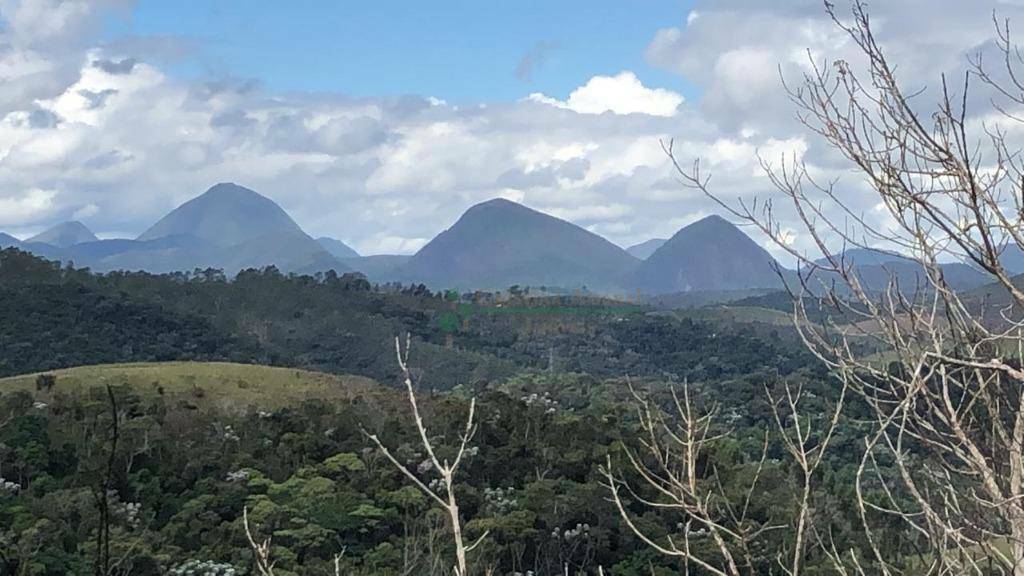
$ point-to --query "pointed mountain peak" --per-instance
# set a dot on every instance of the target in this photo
(227, 214)
(500, 205)
(709, 254)
(65, 234)
(231, 190)
(498, 243)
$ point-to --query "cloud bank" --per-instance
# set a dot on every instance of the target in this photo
(98, 132)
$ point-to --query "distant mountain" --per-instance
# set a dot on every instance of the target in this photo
(1013, 259)
(500, 243)
(644, 250)
(157, 256)
(228, 227)
(710, 254)
(877, 268)
(64, 235)
(240, 229)
(865, 257)
(8, 241)
(379, 267)
(337, 248)
(226, 215)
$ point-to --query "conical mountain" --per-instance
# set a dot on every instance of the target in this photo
(64, 235)
(500, 243)
(710, 254)
(226, 214)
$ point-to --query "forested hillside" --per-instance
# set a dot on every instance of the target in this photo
(197, 443)
(559, 383)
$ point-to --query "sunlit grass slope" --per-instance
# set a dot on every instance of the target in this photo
(206, 385)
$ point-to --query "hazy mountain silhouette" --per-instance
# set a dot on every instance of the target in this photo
(64, 235)
(1013, 259)
(337, 248)
(500, 243)
(877, 268)
(644, 250)
(710, 254)
(379, 267)
(228, 227)
(8, 241)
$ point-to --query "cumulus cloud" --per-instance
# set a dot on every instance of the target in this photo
(26, 208)
(621, 94)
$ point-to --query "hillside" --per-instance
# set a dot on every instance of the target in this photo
(710, 254)
(500, 243)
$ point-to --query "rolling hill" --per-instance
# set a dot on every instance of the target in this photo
(210, 386)
(500, 243)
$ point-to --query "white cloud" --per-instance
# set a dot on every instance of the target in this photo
(85, 212)
(621, 94)
(26, 208)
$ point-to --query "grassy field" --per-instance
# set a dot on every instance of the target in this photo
(216, 386)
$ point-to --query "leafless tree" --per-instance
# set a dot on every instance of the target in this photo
(939, 370)
(444, 468)
(260, 548)
(670, 463)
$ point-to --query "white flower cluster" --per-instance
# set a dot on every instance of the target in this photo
(203, 568)
(580, 531)
(698, 533)
(500, 501)
(237, 476)
(39, 405)
(425, 466)
(229, 434)
(130, 512)
(545, 401)
(8, 486)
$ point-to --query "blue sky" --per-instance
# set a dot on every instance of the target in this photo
(460, 50)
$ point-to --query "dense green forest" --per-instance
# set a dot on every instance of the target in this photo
(549, 375)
